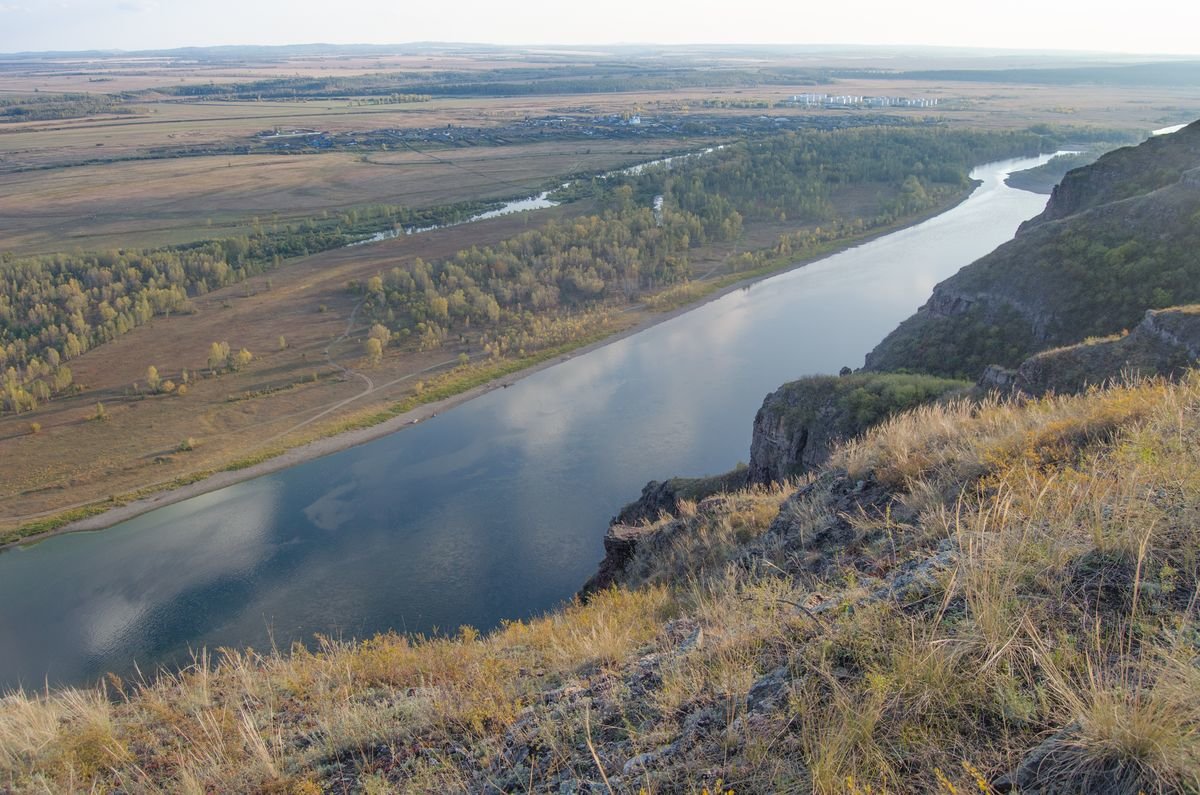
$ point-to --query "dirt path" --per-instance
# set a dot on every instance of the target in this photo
(370, 388)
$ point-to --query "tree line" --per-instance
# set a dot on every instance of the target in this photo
(47, 107)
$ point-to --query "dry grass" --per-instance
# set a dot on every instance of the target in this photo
(959, 442)
(171, 201)
(248, 721)
(1058, 613)
(1065, 609)
(699, 542)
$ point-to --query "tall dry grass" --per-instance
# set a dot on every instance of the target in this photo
(1066, 609)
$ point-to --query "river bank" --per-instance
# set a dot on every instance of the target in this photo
(120, 508)
(491, 512)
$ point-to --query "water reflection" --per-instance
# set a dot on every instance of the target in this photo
(100, 596)
(493, 510)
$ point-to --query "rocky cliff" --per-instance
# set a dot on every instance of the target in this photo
(1090, 265)
(800, 423)
(659, 497)
(1166, 343)
(794, 433)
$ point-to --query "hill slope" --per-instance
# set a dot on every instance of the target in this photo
(1166, 342)
(996, 593)
(1090, 265)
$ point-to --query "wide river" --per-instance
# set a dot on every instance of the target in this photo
(495, 509)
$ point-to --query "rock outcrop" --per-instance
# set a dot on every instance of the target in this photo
(620, 544)
(1165, 343)
(800, 422)
(779, 445)
(663, 497)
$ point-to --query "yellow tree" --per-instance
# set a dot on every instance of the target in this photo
(218, 356)
(374, 350)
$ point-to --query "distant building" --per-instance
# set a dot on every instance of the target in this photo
(851, 100)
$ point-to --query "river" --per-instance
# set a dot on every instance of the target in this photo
(495, 509)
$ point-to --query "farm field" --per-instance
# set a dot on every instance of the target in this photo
(176, 200)
(162, 126)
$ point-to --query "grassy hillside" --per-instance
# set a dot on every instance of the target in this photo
(962, 586)
(800, 423)
(1166, 342)
(1091, 265)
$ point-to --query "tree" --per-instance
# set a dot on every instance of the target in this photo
(381, 333)
(243, 358)
(374, 350)
(152, 379)
(218, 356)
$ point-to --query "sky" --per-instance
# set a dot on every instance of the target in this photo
(1146, 26)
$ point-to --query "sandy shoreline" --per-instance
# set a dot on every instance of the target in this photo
(344, 441)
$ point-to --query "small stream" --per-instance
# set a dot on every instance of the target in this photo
(540, 201)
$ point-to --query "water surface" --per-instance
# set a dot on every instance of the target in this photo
(495, 509)
(1174, 128)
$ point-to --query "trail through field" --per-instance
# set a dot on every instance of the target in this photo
(369, 388)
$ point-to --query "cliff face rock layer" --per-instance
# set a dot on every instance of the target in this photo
(1165, 343)
(1117, 238)
(795, 431)
(800, 423)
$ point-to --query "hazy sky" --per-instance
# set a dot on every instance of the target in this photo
(1145, 26)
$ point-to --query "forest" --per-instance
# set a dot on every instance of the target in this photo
(651, 218)
(44, 107)
(54, 308)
